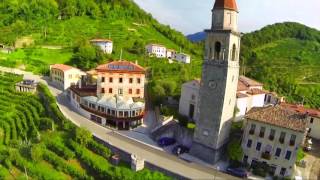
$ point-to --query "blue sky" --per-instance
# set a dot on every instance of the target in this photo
(189, 16)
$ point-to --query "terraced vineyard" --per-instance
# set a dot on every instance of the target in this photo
(37, 142)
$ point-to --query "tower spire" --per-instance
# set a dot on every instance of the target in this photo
(226, 4)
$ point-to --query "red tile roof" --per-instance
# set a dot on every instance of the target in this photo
(301, 109)
(226, 4)
(121, 67)
(61, 67)
(278, 116)
(255, 91)
(249, 82)
(100, 40)
(241, 95)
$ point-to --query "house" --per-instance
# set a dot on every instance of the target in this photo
(156, 50)
(105, 45)
(117, 98)
(313, 118)
(250, 94)
(182, 57)
(272, 136)
(63, 76)
(171, 53)
(27, 85)
(5, 49)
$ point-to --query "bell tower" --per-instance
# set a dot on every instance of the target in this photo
(220, 73)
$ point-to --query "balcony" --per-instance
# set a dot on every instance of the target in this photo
(108, 116)
(266, 155)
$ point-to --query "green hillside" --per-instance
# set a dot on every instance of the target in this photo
(70, 24)
(38, 142)
(286, 57)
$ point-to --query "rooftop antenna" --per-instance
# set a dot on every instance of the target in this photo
(121, 55)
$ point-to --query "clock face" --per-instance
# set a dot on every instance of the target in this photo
(212, 84)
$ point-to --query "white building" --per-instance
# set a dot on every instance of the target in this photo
(105, 45)
(250, 94)
(156, 50)
(313, 116)
(63, 76)
(182, 57)
(273, 136)
(189, 100)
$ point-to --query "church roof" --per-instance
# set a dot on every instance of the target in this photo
(226, 4)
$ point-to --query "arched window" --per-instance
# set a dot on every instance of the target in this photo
(217, 51)
(234, 52)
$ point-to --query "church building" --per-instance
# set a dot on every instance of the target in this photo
(218, 89)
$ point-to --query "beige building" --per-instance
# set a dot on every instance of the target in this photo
(156, 50)
(171, 53)
(120, 78)
(64, 76)
(313, 116)
(273, 135)
(116, 99)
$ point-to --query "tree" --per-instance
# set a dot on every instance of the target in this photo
(86, 56)
(234, 150)
(82, 136)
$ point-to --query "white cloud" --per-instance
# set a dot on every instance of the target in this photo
(191, 16)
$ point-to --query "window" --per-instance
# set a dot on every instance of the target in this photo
(126, 114)
(120, 91)
(309, 130)
(272, 134)
(283, 171)
(258, 147)
(121, 113)
(102, 79)
(311, 121)
(139, 80)
(110, 90)
(130, 91)
(70, 76)
(288, 155)
(262, 131)
(138, 91)
(121, 80)
(282, 137)
(293, 140)
(193, 97)
(249, 143)
(217, 52)
(252, 129)
(278, 152)
(234, 51)
(110, 80)
(102, 91)
(131, 80)
(245, 159)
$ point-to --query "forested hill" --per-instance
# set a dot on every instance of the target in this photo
(70, 24)
(286, 57)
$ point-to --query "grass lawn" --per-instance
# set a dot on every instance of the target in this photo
(35, 59)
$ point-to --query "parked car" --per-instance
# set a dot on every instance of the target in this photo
(180, 149)
(166, 141)
(239, 172)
